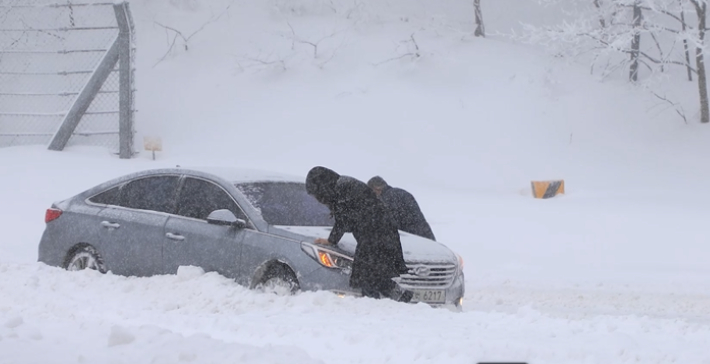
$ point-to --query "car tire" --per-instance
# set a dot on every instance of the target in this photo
(85, 257)
(279, 280)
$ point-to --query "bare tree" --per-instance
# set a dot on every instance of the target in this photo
(611, 32)
(701, 8)
(480, 29)
(598, 6)
(635, 41)
(686, 49)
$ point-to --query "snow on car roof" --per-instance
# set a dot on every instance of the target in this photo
(241, 175)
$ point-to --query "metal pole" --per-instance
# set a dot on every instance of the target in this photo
(125, 90)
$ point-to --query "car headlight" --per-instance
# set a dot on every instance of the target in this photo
(328, 258)
(460, 259)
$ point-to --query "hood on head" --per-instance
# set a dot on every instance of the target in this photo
(377, 182)
(320, 183)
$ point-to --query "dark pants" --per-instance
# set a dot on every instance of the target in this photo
(387, 289)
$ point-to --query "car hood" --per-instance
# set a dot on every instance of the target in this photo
(414, 248)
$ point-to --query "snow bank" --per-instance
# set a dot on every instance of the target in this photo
(55, 316)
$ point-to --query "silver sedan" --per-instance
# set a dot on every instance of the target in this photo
(255, 227)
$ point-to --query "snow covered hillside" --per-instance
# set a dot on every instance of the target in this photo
(615, 271)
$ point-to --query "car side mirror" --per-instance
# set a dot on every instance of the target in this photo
(225, 217)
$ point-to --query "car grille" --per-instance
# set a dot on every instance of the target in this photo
(428, 275)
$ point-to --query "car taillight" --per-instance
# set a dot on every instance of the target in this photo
(52, 214)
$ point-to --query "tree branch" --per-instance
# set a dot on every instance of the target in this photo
(415, 54)
(678, 109)
(642, 53)
(187, 39)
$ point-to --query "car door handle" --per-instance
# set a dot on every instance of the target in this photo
(110, 225)
(176, 237)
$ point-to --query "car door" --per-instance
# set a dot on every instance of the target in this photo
(191, 240)
(133, 231)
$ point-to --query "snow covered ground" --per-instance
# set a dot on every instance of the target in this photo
(615, 271)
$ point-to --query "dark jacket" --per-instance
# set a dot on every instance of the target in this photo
(356, 209)
(406, 212)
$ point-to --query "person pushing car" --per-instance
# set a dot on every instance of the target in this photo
(356, 209)
(403, 207)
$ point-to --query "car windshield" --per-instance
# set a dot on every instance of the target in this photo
(286, 203)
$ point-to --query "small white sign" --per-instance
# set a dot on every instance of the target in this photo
(154, 144)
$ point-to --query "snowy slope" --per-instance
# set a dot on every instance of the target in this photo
(613, 272)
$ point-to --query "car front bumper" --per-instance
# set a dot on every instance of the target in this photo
(338, 282)
(453, 294)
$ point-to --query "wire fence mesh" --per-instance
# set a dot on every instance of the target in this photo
(48, 52)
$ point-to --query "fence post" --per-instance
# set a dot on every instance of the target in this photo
(125, 69)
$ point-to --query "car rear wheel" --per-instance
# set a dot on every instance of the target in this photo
(280, 280)
(86, 257)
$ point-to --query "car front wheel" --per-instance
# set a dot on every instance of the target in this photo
(279, 280)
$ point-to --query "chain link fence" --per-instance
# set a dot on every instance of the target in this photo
(49, 53)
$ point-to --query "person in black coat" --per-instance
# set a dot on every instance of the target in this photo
(356, 209)
(403, 207)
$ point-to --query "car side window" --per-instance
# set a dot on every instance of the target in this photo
(109, 197)
(198, 198)
(151, 193)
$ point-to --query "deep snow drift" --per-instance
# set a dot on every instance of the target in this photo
(614, 271)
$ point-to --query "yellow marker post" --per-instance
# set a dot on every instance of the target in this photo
(547, 189)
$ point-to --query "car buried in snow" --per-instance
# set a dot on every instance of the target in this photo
(255, 227)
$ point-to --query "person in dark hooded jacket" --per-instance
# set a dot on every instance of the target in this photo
(404, 208)
(356, 209)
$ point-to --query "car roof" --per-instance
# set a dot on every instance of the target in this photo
(244, 175)
(230, 174)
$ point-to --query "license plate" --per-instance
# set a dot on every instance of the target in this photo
(429, 296)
